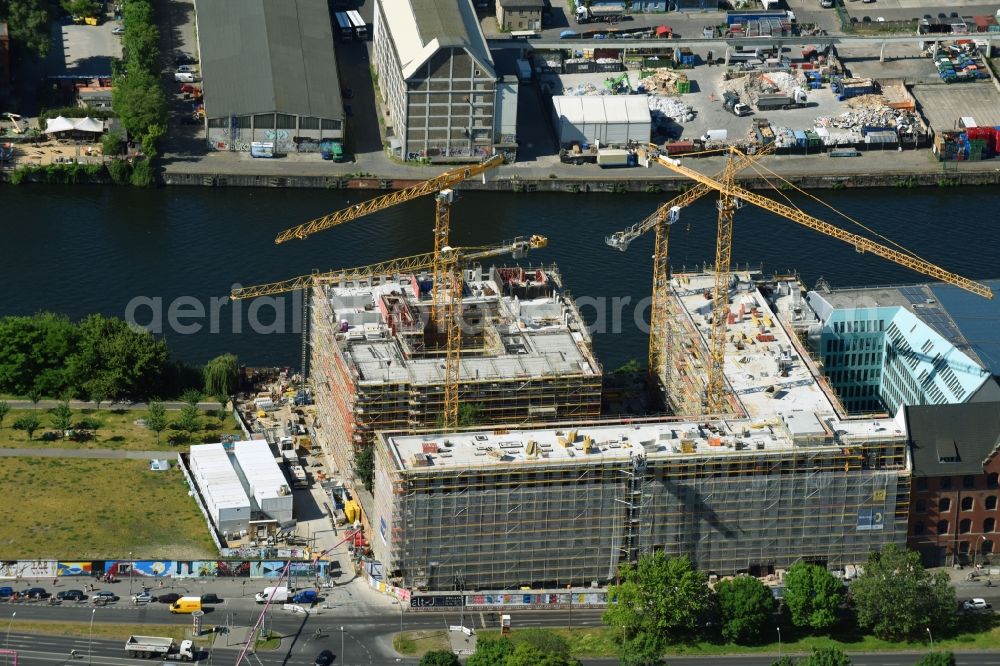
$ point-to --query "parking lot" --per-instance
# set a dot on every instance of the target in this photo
(87, 50)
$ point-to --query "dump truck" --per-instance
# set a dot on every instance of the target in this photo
(763, 131)
(731, 103)
(600, 13)
(771, 102)
(160, 647)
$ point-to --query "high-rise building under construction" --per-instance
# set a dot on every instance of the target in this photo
(376, 365)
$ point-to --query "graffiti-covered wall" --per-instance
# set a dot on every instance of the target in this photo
(162, 568)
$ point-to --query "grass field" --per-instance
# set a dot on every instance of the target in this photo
(416, 643)
(106, 630)
(598, 642)
(83, 508)
(118, 430)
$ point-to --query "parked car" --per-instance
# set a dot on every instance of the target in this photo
(324, 658)
(976, 604)
(210, 598)
(190, 88)
(104, 596)
(168, 598)
(71, 595)
(185, 77)
(35, 593)
(191, 69)
(118, 30)
(184, 59)
(6, 592)
(142, 598)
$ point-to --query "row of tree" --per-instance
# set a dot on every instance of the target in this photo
(28, 22)
(100, 358)
(137, 96)
(662, 601)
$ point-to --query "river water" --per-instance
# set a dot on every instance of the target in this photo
(122, 251)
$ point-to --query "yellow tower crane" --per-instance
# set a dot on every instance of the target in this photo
(454, 257)
(730, 193)
(661, 337)
(446, 282)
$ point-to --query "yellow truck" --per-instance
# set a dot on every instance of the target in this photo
(186, 605)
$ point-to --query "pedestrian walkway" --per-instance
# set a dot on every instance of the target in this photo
(89, 404)
(85, 453)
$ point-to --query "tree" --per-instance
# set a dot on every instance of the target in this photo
(120, 171)
(111, 144)
(190, 419)
(783, 661)
(746, 605)
(364, 466)
(80, 7)
(33, 352)
(661, 597)
(62, 416)
(28, 21)
(191, 397)
(526, 654)
(139, 101)
(222, 376)
(896, 598)
(490, 652)
(91, 423)
(439, 658)
(35, 396)
(642, 650)
(29, 423)
(156, 418)
(142, 173)
(826, 657)
(153, 134)
(4, 411)
(117, 360)
(937, 659)
(813, 595)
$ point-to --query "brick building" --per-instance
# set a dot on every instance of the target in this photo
(956, 462)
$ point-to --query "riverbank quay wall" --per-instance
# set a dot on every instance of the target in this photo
(603, 183)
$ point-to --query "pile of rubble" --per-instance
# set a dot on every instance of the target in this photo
(871, 111)
(671, 108)
(662, 81)
(749, 88)
(584, 89)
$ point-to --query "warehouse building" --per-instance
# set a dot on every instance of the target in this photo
(220, 488)
(608, 120)
(526, 355)
(925, 344)
(437, 80)
(953, 515)
(270, 74)
(559, 506)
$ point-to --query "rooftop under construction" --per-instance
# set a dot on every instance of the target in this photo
(768, 371)
(378, 359)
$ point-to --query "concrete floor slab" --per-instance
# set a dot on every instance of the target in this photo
(942, 104)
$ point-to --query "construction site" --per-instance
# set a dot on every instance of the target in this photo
(567, 505)
(378, 365)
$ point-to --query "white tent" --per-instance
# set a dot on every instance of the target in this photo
(58, 124)
(89, 125)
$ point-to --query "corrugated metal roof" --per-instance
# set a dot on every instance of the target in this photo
(260, 469)
(602, 108)
(261, 56)
(217, 480)
(420, 28)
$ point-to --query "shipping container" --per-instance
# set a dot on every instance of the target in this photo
(612, 158)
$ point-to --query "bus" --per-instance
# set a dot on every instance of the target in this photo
(360, 29)
(344, 26)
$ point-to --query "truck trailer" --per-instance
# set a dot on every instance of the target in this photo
(600, 13)
(731, 103)
(772, 102)
(159, 647)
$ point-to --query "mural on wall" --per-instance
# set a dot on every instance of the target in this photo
(73, 569)
(234, 569)
(9, 569)
(266, 569)
(153, 568)
(37, 568)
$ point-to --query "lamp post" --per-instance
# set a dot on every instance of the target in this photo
(10, 624)
(90, 639)
(779, 642)
(344, 659)
(130, 567)
(931, 636)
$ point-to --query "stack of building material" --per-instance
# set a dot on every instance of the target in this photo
(665, 81)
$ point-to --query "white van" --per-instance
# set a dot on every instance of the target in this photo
(186, 77)
(280, 595)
